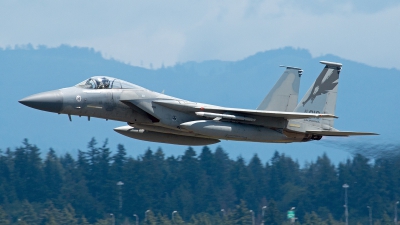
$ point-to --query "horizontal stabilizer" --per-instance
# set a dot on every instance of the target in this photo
(338, 133)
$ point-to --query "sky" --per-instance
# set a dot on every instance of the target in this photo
(155, 33)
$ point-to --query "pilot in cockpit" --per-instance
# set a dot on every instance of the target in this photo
(103, 83)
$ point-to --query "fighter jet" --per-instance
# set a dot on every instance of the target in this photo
(156, 117)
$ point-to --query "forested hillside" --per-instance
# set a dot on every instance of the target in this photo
(209, 188)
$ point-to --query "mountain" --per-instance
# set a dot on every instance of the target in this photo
(368, 98)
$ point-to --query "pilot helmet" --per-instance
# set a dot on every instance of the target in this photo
(103, 83)
(106, 82)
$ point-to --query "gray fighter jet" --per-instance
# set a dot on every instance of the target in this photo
(157, 117)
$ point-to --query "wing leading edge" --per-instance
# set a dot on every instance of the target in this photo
(197, 107)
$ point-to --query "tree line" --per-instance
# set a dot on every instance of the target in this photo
(101, 187)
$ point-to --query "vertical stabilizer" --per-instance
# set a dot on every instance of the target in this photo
(284, 95)
(321, 97)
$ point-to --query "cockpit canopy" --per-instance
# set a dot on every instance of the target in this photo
(103, 82)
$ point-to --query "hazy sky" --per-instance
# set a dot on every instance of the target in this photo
(157, 32)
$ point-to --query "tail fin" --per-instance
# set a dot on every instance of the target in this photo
(321, 97)
(284, 95)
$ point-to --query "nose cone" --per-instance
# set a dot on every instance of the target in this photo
(51, 101)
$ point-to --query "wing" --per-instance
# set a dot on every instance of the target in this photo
(338, 133)
(245, 114)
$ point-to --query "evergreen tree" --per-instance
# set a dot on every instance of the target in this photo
(27, 173)
(207, 162)
(203, 219)
(93, 174)
(241, 215)
(51, 221)
(104, 221)
(34, 177)
(163, 220)
(106, 186)
(28, 214)
(386, 219)
(153, 167)
(331, 220)
(4, 220)
(82, 164)
(224, 191)
(239, 176)
(383, 185)
(363, 187)
(21, 222)
(177, 219)
(51, 215)
(20, 171)
(322, 184)
(190, 168)
(131, 179)
(5, 178)
(272, 215)
(150, 219)
(189, 174)
(68, 216)
(119, 160)
(258, 183)
(83, 221)
(275, 180)
(312, 219)
(8, 184)
(197, 187)
(67, 162)
(52, 175)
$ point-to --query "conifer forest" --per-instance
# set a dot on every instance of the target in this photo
(105, 186)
